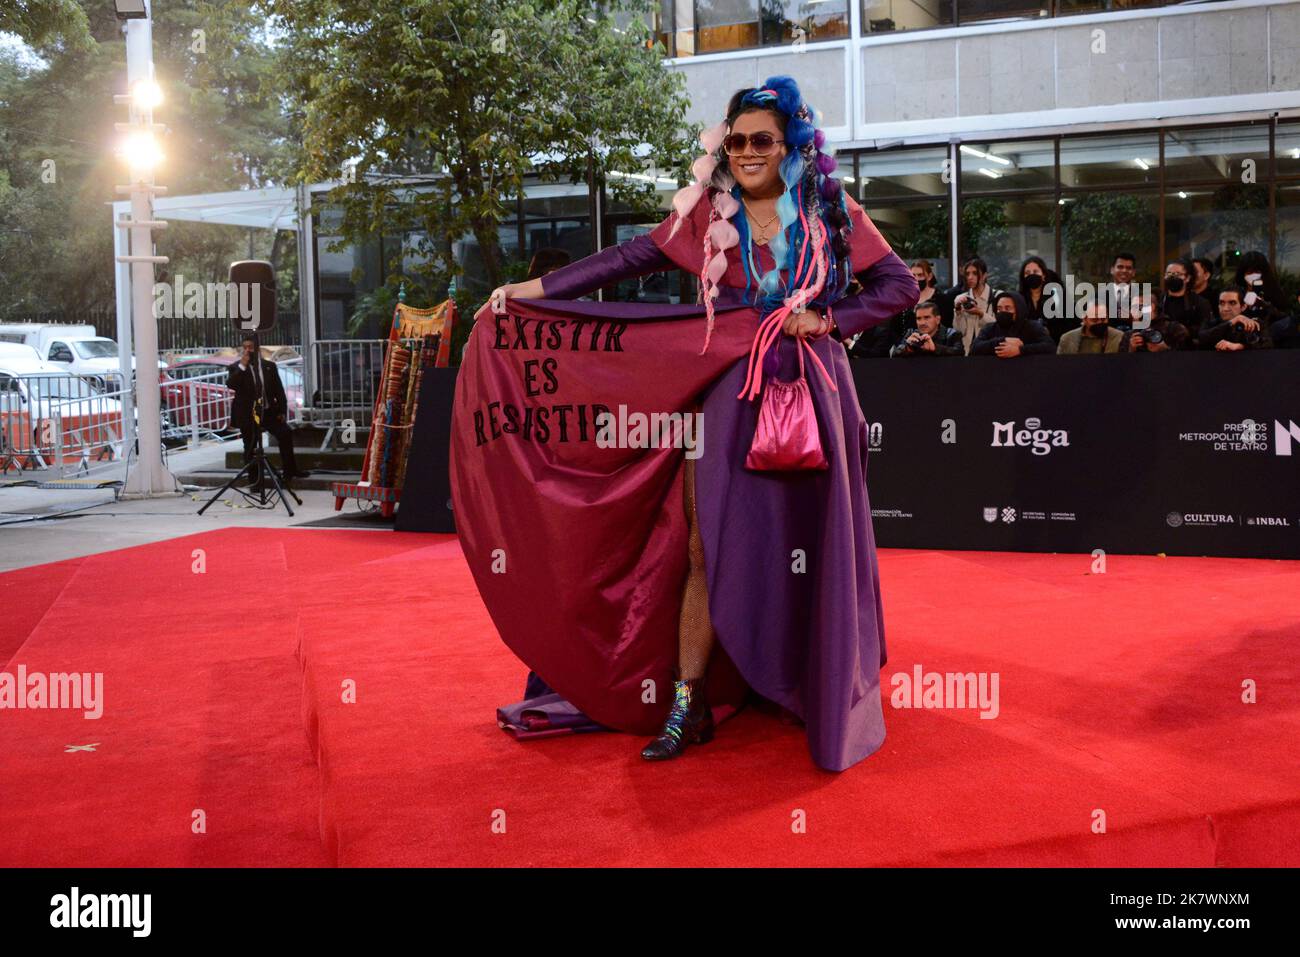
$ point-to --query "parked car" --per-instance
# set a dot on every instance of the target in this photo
(197, 384)
(39, 400)
(74, 348)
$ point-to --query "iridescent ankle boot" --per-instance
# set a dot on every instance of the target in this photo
(689, 722)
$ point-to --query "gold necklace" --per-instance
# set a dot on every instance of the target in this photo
(761, 239)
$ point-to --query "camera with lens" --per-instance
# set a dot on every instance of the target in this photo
(1150, 337)
(911, 342)
(1237, 332)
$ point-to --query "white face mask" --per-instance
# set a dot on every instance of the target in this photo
(1254, 277)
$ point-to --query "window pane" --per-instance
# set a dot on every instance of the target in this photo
(1096, 226)
(726, 25)
(972, 11)
(917, 231)
(901, 173)
(556, 206)
(886, 16)
(1287, 264)
(1216, 223)
(1015, 165)
(1004, 232)
(1217, 154)
(1091, 161)
(661, 287)
(1287, 149)
(1066, 7)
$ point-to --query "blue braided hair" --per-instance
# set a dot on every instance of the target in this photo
(809, 185)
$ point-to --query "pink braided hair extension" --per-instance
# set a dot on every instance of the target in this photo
(770, 328)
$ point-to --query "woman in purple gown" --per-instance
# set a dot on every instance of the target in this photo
(781, 572)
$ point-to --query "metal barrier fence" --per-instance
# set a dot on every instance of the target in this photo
(68, 424)
(58, 421)
(345, 377)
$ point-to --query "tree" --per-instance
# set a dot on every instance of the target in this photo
(44, 22)
(445, 105)
(226, 130)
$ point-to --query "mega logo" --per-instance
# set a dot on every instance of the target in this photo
(1032, 436)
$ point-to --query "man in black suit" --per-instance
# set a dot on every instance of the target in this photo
(243, 379)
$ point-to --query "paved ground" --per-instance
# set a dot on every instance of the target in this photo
(46, 525)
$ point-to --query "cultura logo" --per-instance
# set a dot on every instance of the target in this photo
(1033, 436)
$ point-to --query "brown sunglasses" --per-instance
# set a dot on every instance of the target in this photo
(762, 143)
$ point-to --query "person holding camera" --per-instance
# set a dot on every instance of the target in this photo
(930, 337)
(1151, 331)
(1012, 333)
(1095, 337)
(972, 303)
(251, 377)
(1237, 330)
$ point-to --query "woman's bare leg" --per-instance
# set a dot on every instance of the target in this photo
(695, 629)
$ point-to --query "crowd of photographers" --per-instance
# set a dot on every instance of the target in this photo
(1044, 316)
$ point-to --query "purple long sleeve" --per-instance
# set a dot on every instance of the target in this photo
(635, 257)
(888, 288)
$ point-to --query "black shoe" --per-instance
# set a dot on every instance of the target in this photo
(689, 722)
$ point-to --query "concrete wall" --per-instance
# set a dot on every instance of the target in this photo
(1181, 61)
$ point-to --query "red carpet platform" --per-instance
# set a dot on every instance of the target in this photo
(1120, 697)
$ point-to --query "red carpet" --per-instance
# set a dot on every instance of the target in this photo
(1120, 694)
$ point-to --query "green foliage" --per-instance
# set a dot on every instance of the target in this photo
(46, 23)
(445, 106)
(1097, 225)
(57, 141)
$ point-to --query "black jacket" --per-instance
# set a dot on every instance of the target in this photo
(1193, 312)
(947, 342)
(1035, 338)
(241, 381)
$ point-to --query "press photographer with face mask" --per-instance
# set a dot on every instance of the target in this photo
(1012, 333)
(1179, 304)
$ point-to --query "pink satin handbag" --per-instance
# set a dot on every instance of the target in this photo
(786, 438)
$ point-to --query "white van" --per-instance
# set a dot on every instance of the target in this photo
(76, 349)
(41, 400)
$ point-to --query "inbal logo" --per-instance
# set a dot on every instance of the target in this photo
(1032, 436)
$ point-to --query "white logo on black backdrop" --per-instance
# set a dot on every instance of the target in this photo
(1248, 435)
(1200, 519)
(875, 436)
(1032, 436)
(991, 514)
(1284, 436)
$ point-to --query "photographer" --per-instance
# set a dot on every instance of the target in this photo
(1095, 337)
(1236, 330)
(1012, 333)
(1039, 287)
(243, 378)
(972, 308)
(1180, 304)
(1152, 332)
(1255, 275)
(930, 337)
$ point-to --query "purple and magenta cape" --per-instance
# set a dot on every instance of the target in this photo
(579, 551)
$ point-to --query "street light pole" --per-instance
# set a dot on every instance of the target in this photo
(150, 477)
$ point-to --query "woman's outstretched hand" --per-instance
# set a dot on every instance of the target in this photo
(532, 289)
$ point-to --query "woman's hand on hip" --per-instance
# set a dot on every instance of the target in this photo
(804, 324)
